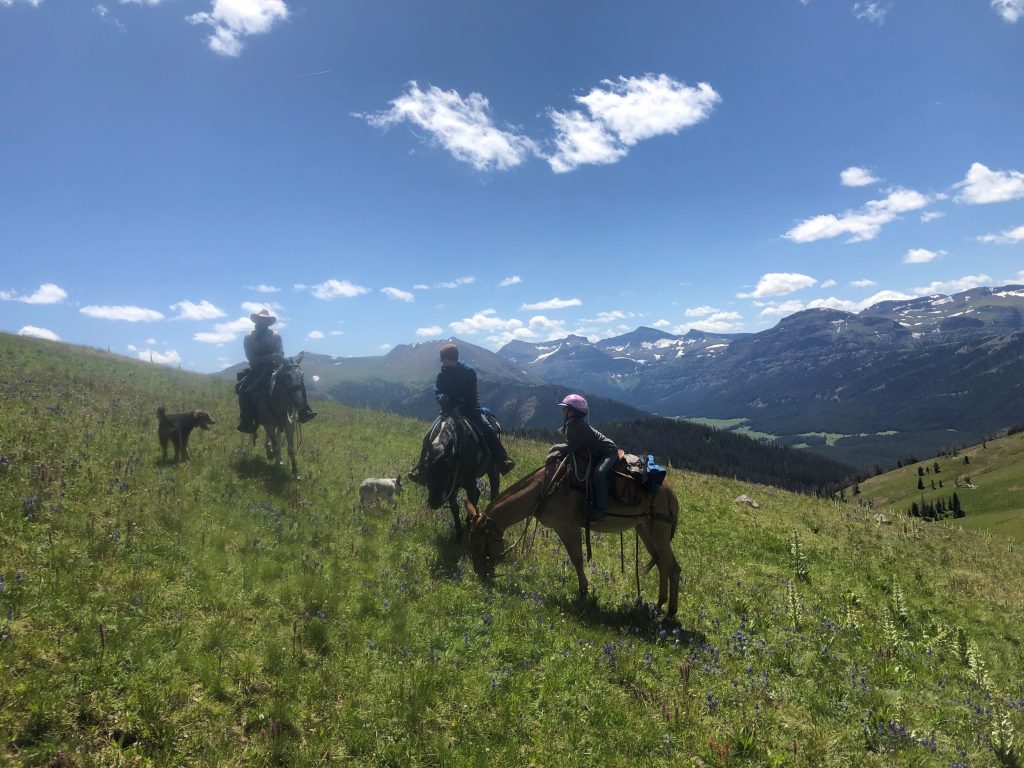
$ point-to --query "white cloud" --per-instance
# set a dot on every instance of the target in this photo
(485, 321)
(513, 280)
(224, 332)
(332, 289)
(873, 12)
(863, 224)
(1007, 237)
(661, 323)
(607, 317)
(719, 322)
(315, 335)
(33, 3)
(204, 310)
(624, 112)
(421, 287)
(783, 309)
(461, 126)
(828, 283)
(931, 216)
(337, 333)
(964, 283)
(983, 185)
(252, 307)
(265, 288)
(855, 176)
(456, 283)
(921, 256)
(234, 19)
(128, 314)
(429, 331)
(555, 303)
(47, 293)
(1010, 10)
(787, 308)
(863, 283)
(779, 284)
(39, 333)
(397, 294)
(170, 357)
(702, 311)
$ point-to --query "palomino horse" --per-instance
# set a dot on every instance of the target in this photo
(453, 457)
(547, 495)
(277, 411)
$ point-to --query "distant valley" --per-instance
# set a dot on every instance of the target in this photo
(894, 380)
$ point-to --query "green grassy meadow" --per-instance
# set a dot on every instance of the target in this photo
(215, 613)
(996, 470)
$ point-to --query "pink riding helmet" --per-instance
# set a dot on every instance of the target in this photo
(576, 401)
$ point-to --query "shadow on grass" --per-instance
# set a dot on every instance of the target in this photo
(275, 477)
(450, 550)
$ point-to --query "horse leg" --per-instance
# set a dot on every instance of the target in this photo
(289, 433)
(453, 504)
(657, 538)
(572, 540)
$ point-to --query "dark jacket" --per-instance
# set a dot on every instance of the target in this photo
(579, 434)
(459, 384)
(264, 348)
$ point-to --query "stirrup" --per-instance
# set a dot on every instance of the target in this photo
(506, 466)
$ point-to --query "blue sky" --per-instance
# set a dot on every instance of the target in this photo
(383, 173)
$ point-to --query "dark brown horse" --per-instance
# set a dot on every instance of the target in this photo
(453, 457)
(277, 410)
(546, 494)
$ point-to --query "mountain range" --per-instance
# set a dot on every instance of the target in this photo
(896, 379)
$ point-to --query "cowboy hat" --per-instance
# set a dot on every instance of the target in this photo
(263, 316)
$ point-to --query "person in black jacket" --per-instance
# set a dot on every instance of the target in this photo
(456, 386)
(603, 451)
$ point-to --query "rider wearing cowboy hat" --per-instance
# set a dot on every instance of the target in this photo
(264, 349)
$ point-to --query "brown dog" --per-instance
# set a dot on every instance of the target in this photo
(176, 428)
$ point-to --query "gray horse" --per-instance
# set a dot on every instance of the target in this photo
(277, 410)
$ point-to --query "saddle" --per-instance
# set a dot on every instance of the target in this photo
(632, 479)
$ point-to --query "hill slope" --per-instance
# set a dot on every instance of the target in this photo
(215, 613)
(987, 479)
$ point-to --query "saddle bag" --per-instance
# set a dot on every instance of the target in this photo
(636, 477)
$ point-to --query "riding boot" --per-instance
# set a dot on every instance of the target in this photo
(306, 413)
(246, 418)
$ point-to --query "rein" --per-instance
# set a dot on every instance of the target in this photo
(547, 489)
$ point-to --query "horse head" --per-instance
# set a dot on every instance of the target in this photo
(486, 544)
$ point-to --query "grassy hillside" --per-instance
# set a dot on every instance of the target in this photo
(214, 613)
(995, 468)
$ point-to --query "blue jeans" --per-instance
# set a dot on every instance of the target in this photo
(601, 470)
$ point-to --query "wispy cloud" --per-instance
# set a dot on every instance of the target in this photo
(104, 13)
(456, 283)
(964, 283)
(855, 176)
(873, 12)
(865, 283)
(863, 224)
(429, 331)
(779, 284)
(39, 333)
(1010, 10)
(253, 307)
(265, 288)
(513, 280)
(621, 113)
(47, 293)
(1007, 237)
(787, 308)
(204, 310)
(702, 311)
(931, 216)
(983, 185)
(128, 314)
(33, 3)
(555, 303)
(921, 256)
(315, 335)
(397, 294)
(332, 289)
(462, 126)
(234, 19)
